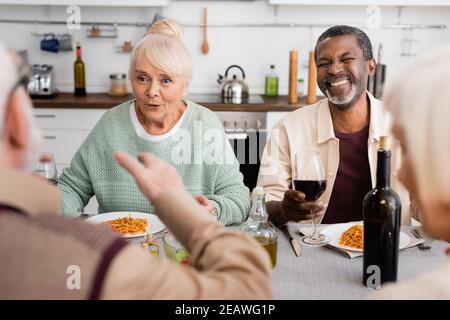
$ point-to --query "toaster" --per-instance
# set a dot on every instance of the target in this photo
(42, 82)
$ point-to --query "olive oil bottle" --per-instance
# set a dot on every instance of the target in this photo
(259, 227)
(271, 83)
(79, 74)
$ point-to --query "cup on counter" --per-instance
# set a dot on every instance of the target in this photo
(50, 43)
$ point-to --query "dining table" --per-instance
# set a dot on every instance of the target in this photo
(322, 273)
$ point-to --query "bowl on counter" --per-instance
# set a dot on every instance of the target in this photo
(174, 250)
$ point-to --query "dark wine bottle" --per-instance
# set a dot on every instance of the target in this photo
(382, 216)
(79, 74)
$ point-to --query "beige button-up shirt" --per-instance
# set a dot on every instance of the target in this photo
(311, 129)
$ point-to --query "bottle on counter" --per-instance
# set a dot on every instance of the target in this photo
(118, 84)
(271, 83)
(259, 227)
(301, 87)
(382, 216)
(79, 74)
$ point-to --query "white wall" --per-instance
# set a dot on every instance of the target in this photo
(253, 48)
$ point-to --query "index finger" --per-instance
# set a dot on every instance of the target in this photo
(147, 158)
(295, 195)
(128, 163)
(201, 198)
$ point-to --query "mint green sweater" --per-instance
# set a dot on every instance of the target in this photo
(199, 150)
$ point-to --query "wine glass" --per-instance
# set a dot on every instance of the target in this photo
(46, 167)
(309, 178)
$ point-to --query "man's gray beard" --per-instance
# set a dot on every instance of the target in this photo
(342, 103)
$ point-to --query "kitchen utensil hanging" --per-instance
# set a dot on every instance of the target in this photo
(407, 43)
(101, 32)
(126, 47)
(205, 45)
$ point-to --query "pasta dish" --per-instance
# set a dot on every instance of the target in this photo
(353, 237)
(128, 225)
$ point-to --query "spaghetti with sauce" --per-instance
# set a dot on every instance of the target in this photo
(353, 237)
(128, 225)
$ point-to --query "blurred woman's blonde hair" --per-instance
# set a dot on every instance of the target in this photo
(419, 101)
(164, 49)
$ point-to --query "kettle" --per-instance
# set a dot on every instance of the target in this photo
(233, 90)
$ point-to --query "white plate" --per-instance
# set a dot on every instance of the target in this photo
(154, 224)
(335, 231)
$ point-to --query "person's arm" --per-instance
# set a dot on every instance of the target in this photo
(225, 264)
(75, 185)
(231, 197)
(283, 204)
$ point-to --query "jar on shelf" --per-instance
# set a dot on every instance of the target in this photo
(118, 84)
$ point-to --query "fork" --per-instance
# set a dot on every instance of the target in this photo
(425, 245)
(158, 235)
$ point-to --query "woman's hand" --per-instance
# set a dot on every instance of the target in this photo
(153, 176)
(204, 202)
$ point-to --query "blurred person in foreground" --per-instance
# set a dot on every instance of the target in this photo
(420, 107)
(40, 249)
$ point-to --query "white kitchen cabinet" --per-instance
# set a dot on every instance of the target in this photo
(62, 143)
(59, 119)
(91, 117)
(63, 132)
(363, 2)
(273, 117)
(99, 3)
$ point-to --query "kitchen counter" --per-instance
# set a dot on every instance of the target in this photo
(105, 101)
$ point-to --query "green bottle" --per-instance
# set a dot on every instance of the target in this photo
(79, 74)
(271, 87)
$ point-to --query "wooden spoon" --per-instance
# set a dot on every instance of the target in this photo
(205, 45)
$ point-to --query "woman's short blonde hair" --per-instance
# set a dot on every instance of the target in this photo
(420, 103)
(164, 49)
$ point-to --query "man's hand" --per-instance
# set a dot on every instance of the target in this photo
(153, 176)
(294, 207)
(204, 202)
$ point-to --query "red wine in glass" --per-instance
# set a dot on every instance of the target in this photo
(312, 189)
(309, 178)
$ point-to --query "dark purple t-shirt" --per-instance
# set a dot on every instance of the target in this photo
(353, 179)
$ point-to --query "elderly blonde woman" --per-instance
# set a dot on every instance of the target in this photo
(421, 110)
(180, 132)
